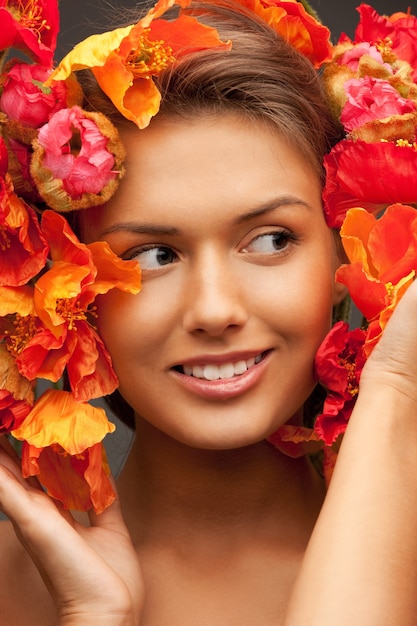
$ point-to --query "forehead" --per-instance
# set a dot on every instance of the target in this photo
(181, 168)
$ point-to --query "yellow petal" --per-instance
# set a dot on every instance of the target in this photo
(57, 418)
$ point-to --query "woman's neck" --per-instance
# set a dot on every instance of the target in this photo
(167, 486)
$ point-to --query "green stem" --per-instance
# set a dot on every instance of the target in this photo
(310, 9)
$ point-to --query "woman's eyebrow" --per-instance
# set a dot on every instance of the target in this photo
(271, 205)
(155, 229)
(134, 227)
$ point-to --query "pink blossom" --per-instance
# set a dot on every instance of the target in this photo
(353, 55)
(76, 152)
(371, 99)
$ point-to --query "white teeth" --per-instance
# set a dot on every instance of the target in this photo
(226, 370)
(240, 367)
(211, 372)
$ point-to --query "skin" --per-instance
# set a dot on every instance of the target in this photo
(220, 522)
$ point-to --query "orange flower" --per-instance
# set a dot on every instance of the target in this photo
(63, 301)
(62, 447)
(125, 60)
(23, 249)
(383, 262)
(290, 20)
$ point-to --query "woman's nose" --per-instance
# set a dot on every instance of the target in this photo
(215, 300)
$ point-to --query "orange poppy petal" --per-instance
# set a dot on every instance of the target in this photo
(57, 418)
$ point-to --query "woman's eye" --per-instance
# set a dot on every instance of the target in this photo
(153, 257)
(270, 243)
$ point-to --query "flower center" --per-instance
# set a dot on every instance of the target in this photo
(24, 329)
(29, 14)
(347, 361)
(151, 57)
(71, 311)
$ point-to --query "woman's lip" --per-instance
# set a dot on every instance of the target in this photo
(223, 388)
(219, 359)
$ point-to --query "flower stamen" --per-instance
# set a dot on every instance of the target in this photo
(29, 14)
(71, 311)
(24, 329)
(150, 58)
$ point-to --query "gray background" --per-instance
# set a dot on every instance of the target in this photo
(80, 18)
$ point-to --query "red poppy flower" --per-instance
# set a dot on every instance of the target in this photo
(23, 248)
(368, 175)
(62, 447)
(31, 26)
(398, 32)
(25, 100)
(290, 20)
(16, 393)
(383, 262)
(339, 363)
(64, 303)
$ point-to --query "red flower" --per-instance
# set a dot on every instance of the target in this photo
(290, 19)
(371, 99)
(63, 301)
(398, 32)
(25, 100)
(31, 26)
(369, 175)
(383, 262)
(339, 363)
(62, 447)
(23, 248)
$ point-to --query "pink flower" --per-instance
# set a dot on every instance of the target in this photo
(353, 55)
(77, 160)
(339, 363)
(371, 99)
(83, 171)
(24, 99)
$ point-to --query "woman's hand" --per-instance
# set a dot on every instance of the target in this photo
(92, 573)
(393, 362)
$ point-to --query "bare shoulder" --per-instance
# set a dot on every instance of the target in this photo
(24, 599)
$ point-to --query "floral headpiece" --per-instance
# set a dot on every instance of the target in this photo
(371, 196)
(56, 157)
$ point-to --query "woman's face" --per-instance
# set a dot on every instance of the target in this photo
(238, 267)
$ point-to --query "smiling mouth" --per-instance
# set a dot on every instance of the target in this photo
(211, 371)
